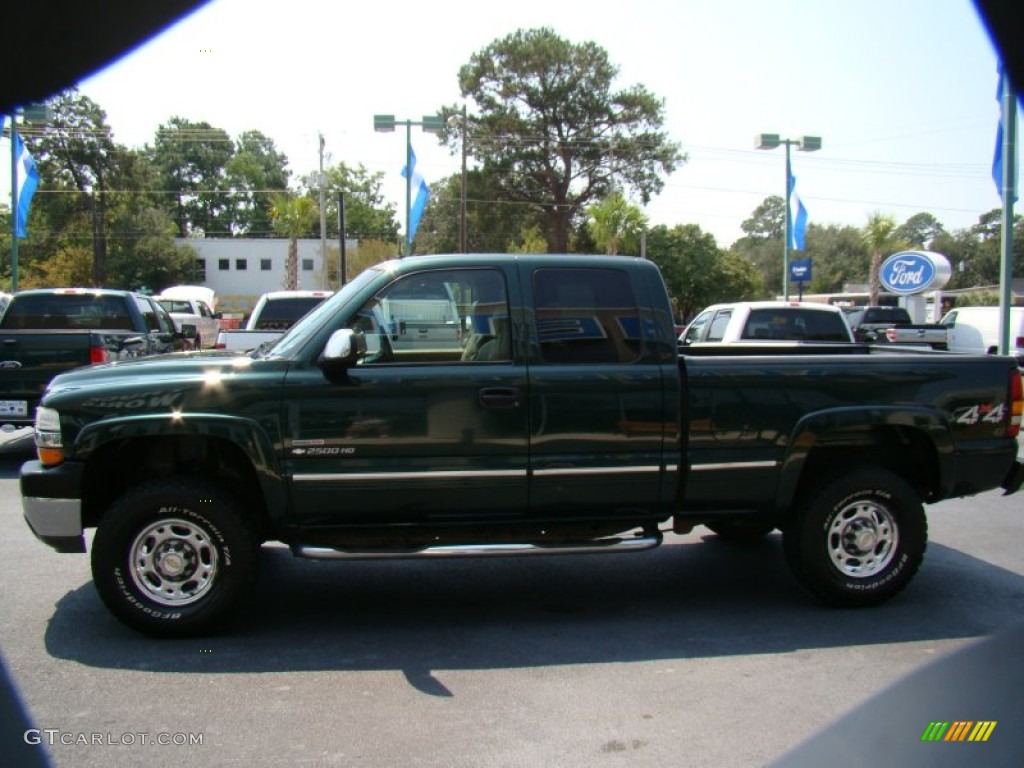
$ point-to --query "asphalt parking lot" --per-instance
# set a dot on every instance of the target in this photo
(695, 654)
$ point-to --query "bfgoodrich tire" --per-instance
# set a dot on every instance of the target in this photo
(859, 538)
(173, 558)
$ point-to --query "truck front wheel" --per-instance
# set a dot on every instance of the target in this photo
(859, 537)
(172, 559)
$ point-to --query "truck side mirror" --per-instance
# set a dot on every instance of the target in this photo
(345, 348)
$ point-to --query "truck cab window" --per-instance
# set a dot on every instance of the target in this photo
(586, 316)
(717, 330)
(439, 316)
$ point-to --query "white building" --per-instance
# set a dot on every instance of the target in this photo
(241, 269)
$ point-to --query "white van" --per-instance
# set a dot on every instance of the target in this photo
(977, 329)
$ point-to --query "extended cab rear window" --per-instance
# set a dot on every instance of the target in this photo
(282, 314)
(795, 324)
(586, 316)
(67, 311)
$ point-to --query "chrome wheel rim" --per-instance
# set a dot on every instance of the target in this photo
(174, 562)
(862, 539)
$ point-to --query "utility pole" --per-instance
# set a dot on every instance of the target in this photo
(322, 183)
(463, 235)
(343, 267)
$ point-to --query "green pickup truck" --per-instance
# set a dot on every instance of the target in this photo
(565, 420)
(46, 331)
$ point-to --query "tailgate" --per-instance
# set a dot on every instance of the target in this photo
(29, 360)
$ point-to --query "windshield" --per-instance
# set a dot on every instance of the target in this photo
(68, 311)
(175, 305)
(310, 324)
(282, 314)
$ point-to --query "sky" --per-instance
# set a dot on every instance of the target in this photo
(901, 92)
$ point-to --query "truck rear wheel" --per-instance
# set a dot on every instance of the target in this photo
(859, 538)
(173, 559)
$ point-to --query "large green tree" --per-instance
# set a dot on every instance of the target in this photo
(192, 159)
(768, 221)
(76, 155)
(838, 256)
(97, 199)
(920, 230)
(761, 244)
(698, 272)
(976, 253)
(146, 256)
(367, 215)
(492, 225)
(553, 131)
(253, 173)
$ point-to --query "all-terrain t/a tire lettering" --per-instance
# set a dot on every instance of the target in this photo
(859, 538)
(173, 558)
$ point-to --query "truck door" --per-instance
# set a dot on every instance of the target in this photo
(431, 425)
(597, 415)
(159, 335)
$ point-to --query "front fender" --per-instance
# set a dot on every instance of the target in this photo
(248, 434)
(851, 428)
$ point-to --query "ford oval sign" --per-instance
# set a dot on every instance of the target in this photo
(910, 272)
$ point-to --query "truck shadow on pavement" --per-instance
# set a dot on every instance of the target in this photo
(695, 597)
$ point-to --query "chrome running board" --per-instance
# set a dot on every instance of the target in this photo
(596, 546)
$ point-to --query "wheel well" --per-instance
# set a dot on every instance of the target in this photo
(906, 452)
(118, 465)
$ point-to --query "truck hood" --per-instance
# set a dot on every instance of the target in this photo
(153, 370)
(190, 382)
(177, 384)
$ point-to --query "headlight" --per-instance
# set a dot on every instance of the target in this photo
(49, 442)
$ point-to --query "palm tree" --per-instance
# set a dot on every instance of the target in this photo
(292, 217)
(880, 236)
(613, 222)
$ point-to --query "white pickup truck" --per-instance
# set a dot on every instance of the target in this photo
(756, 321)
(274, 313)
(193, 305)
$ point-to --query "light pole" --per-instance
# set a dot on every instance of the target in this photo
(804, 144)
(386, 124)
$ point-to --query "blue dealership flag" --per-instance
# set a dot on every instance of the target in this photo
(28, 181)
(797, 216)
(421, 193)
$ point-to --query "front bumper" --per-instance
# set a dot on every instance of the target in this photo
(52, 505)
